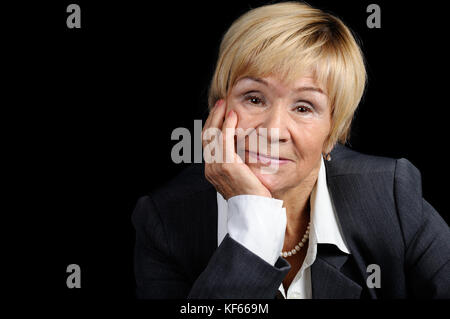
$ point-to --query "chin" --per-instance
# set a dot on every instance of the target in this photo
(274, 182)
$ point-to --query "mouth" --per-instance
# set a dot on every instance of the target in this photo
(266, 159)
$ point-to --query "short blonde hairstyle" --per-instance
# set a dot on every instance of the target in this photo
(291, 39)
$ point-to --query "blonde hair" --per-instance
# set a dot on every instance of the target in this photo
(290, 39)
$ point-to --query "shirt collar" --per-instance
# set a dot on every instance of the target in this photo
(325, 226)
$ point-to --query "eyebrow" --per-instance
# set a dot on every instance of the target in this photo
(302, 88)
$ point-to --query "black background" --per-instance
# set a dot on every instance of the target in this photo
(89, 114)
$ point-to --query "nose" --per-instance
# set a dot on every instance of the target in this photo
(274, 126)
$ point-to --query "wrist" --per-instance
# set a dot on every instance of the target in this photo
(258, 223)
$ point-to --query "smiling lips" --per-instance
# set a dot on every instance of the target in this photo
(265, 159)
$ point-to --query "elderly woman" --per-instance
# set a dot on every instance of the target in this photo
(328, 222)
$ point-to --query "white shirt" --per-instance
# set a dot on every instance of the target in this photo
(259, 224)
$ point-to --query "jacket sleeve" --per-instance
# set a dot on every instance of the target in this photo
(426, 237)
(157, 276)
(232, 272)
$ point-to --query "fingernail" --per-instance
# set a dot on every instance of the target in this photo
(229, 113)
(219, 103)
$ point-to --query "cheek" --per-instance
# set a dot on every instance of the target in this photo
(246, 119)
(309, 138)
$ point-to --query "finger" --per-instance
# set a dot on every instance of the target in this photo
(218, 115)
(209, 119)
(211, 112)
(229, 129)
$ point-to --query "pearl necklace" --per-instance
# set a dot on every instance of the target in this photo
(298, 246)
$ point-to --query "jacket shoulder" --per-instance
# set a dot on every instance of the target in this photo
(178, 197)
(348, 161)
(189, 182)
(345, 160)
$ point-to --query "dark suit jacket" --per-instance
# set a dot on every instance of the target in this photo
(384, 219)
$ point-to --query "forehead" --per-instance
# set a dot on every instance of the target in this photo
(307, 82)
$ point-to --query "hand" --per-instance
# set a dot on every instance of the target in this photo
(229, 175)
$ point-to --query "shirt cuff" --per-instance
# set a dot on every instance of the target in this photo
(259, 224)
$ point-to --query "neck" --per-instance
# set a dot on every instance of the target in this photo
(297, 203)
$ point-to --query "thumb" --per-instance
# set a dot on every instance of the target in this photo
(228, 131)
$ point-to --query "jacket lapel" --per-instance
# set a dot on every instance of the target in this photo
(351, 202)
(327, 279)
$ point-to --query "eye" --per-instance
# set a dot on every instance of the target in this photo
(303, 108)
(254, 100)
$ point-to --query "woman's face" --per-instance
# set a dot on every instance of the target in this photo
(301, 113)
